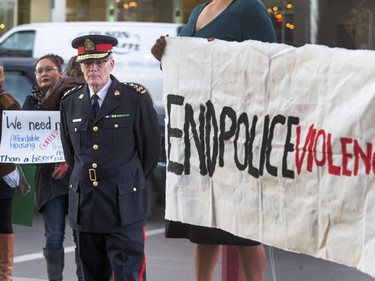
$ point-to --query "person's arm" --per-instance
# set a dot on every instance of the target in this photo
(147, 135)
(256, 23)
(51, 99)
(54, 95)
(157, 49)
(7, 102)
(65, 140)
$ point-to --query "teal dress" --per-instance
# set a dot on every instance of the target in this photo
(241, 20)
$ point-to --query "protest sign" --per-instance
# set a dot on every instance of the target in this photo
(273, 143)
(31, 137)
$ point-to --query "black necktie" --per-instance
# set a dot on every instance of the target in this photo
(95, 105)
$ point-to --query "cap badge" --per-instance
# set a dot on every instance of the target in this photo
(89, 45)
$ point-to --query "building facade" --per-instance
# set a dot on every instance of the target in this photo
(335, 23)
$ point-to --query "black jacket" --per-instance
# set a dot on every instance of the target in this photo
(112, 155)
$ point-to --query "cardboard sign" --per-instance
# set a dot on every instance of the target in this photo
(31, 137)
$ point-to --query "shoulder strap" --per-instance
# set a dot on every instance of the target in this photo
(68, 92)
(136, 87)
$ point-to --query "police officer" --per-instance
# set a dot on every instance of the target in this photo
(110, 137)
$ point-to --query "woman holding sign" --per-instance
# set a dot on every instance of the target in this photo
(9, 179)
(51, 191)
(230, 20)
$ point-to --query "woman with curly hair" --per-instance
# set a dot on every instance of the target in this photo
(51, 192)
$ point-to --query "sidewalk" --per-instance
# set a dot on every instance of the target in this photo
(169, 259)
(27, 279)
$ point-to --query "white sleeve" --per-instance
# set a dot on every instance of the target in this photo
(13, 178)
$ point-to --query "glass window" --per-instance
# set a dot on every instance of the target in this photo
(18, 84)
(18, 44)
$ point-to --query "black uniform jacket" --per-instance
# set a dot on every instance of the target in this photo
(112, 155)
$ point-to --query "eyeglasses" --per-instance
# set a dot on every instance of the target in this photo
(48, 69)
(98, 63)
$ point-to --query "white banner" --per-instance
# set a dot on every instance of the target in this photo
(274, 143)
(31, 137)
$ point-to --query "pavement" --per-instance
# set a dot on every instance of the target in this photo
(281, 266)
(171, 258)
(27, 279)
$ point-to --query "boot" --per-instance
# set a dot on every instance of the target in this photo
(79, 270)
(55, 264)
(6, 256)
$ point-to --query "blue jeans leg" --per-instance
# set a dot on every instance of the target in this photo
(54, 222)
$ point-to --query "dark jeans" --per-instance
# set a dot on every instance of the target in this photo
(54, 213)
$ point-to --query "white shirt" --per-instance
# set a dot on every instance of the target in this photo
(101, 94)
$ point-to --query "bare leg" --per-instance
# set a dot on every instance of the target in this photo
(253, 262)
(205, 259)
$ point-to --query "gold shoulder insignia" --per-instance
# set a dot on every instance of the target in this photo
(137, 87)
(68, 92)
